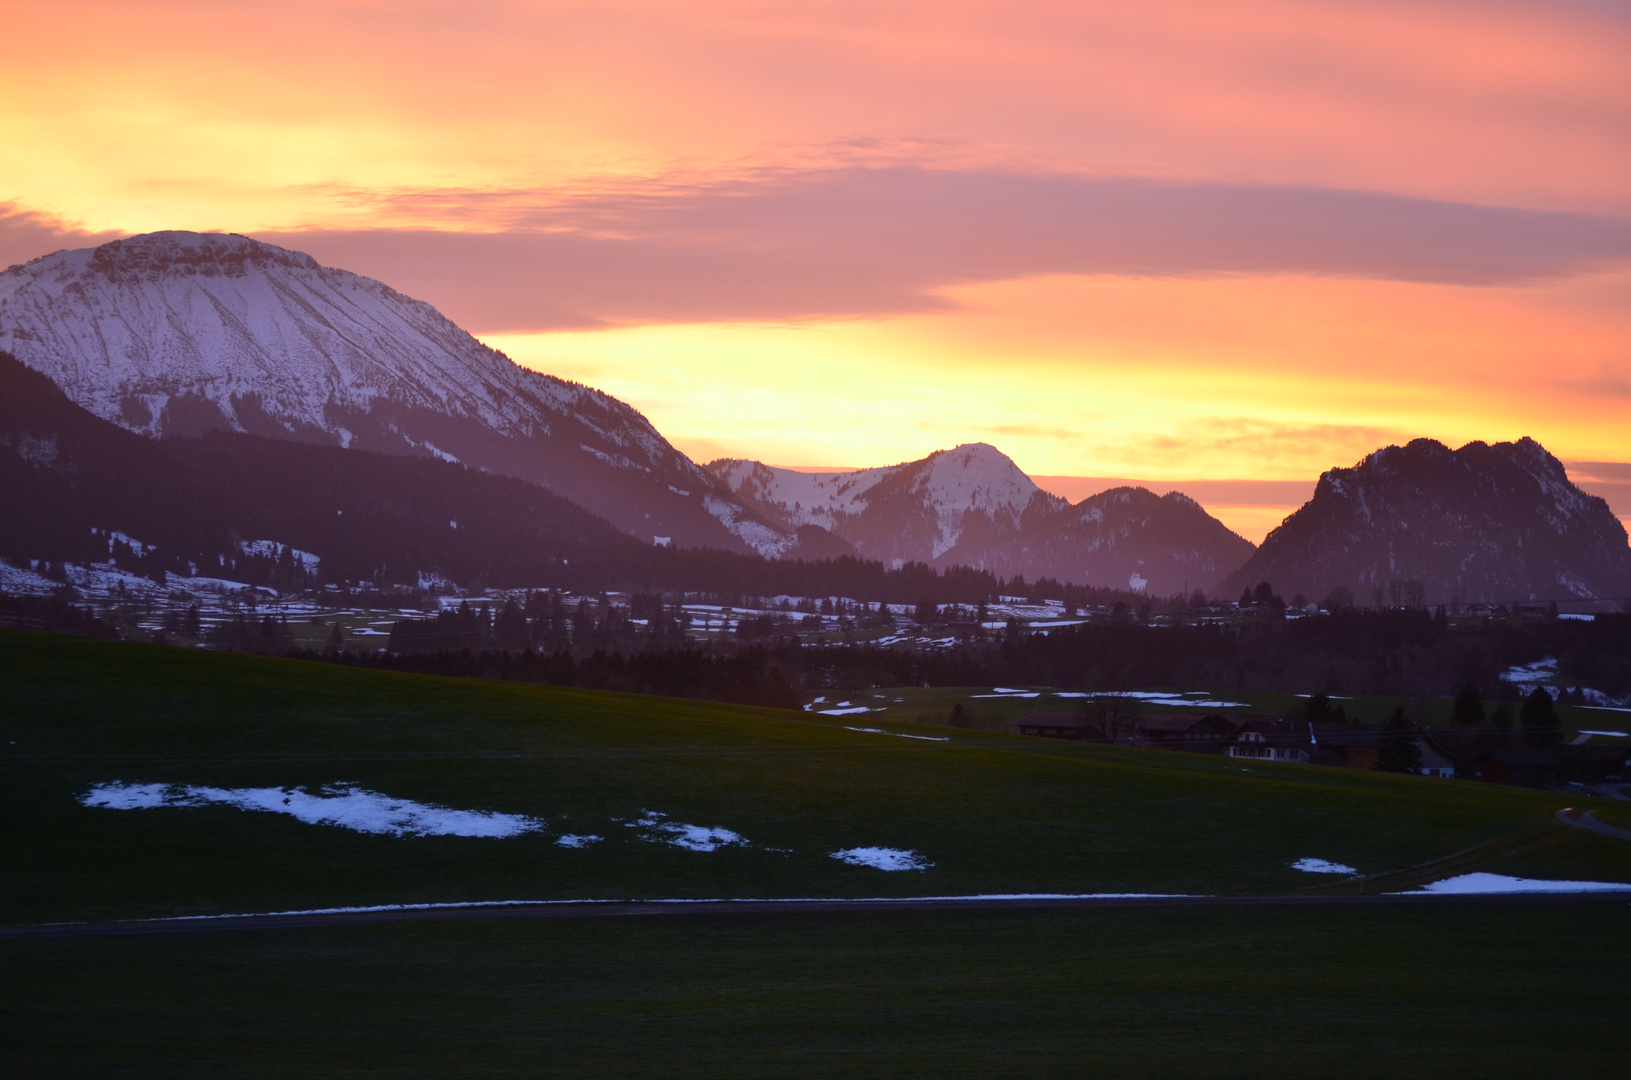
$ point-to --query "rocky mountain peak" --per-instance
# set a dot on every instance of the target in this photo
(1486, 522)
(153, 255)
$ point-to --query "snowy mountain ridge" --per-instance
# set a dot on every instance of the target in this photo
(972, 506)
(972, 477)
(171, 314)
(179, 333)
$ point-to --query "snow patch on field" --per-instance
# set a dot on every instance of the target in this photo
(14, 579)
(689, 837)
(1190, 699)
(1322, 866)
(1483, 884)
(1164, 700)
(573, 840)
(898, 734)
(338, 804)
(883, 858)
(1528, 674)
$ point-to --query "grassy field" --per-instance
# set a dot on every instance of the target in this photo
(1487, 990)
(992, 813)
(984, 709)
(1516, 988)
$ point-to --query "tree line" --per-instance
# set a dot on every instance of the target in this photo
(1407, 654)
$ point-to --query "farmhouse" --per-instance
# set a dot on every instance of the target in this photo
(1520, 767)
(1198, 734)
(1348, 745)
(1255, 746)
(1059, 725)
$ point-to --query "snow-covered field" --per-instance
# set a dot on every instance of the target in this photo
(883, 858)
(342, 805)
(1487, 884)
(1189, 698)
(898, 734)
(657, 828)
(1541, 671)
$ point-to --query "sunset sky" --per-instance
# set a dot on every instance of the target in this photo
(1184, 243)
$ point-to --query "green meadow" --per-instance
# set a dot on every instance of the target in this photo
(986, 710)
(992, 813)
(1483, 988)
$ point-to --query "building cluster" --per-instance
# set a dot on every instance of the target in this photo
(1465, 753)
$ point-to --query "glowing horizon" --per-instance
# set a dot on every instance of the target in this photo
(1179, 241)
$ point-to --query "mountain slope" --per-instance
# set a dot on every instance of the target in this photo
(913, 512)
(973, 506)
(1481, 523)
(1124, 538)
(72, 482)
(178, 333)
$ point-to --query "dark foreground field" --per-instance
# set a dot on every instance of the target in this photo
(1420, 987)
(1515, 989)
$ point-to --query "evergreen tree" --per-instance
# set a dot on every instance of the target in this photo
(1541, 728)
(1318, 710)
(1469, 707)
(1400, 753)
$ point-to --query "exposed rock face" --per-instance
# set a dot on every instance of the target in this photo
(973, 506)
(181, 333)
(1482, 523)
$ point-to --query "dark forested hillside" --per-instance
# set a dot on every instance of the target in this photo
(71, 481)
(1402, 653)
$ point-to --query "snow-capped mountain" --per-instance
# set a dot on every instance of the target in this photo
(914, 512)
(179, 333)
(1482, 523)
(973, 506)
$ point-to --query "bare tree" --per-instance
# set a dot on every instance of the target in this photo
(1115, 716)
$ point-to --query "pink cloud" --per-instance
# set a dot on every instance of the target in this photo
(858, 241)
(862, 241)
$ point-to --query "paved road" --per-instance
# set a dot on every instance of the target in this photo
(544, 909)
(1589, 822)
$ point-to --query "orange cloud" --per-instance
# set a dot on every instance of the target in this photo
(852, 231)
(147, 113)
